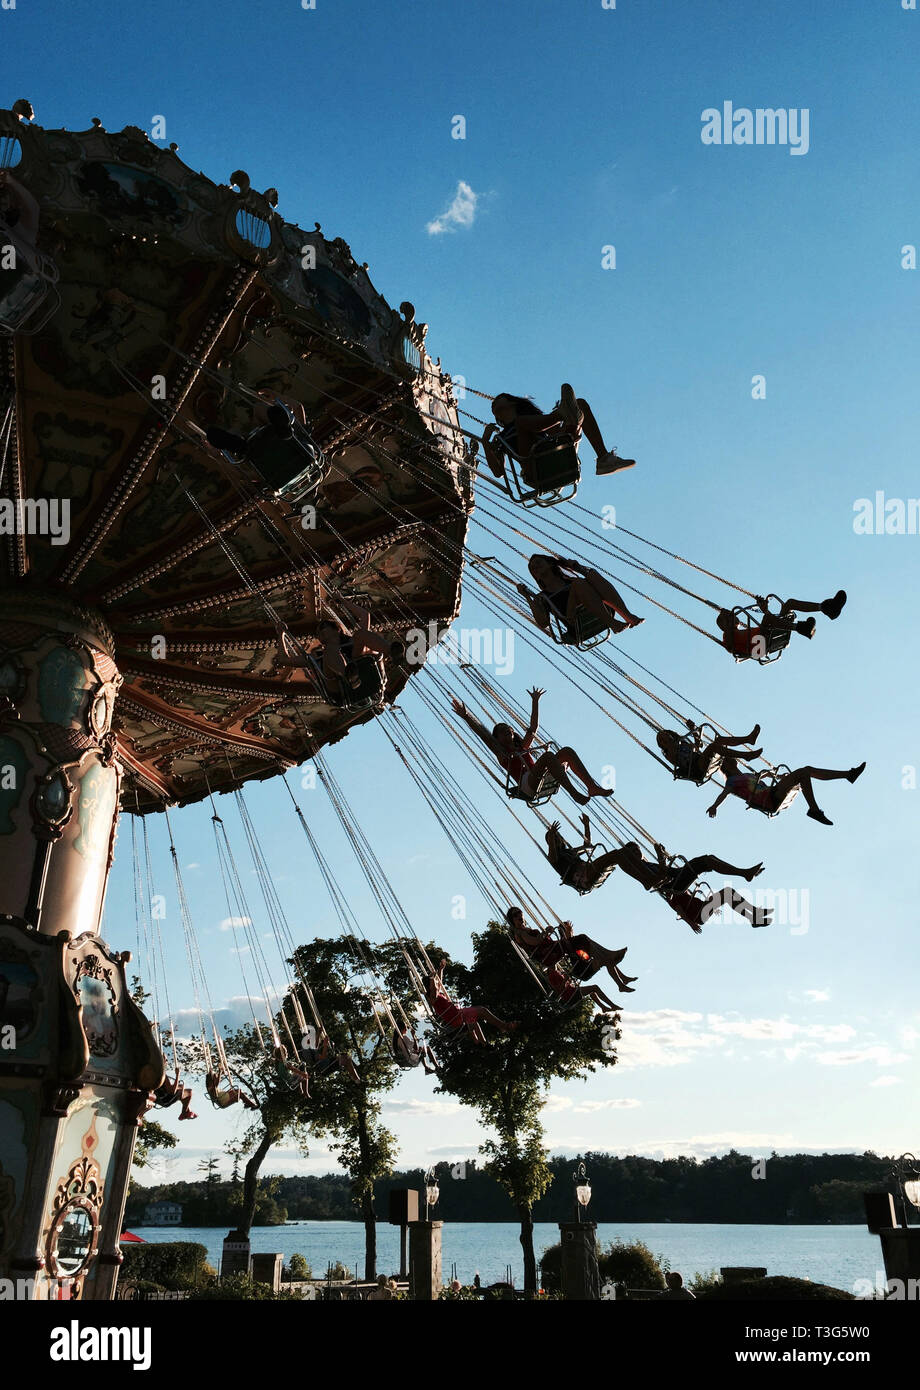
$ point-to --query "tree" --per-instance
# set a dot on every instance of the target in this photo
(209, 1167)
(339, 979)
(281, 1110)
(151, 1136)
(506, 1080)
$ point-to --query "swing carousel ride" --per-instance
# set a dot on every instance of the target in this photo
(235, 506)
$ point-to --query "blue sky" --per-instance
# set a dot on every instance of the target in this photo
(583, 130)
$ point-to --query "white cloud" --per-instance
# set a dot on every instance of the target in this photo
(588, 1107)
(230, 922)
(881, 1056)
(461, 212)
(422, 1107)
(553, 1104)
(886, 1081)
(817, 996)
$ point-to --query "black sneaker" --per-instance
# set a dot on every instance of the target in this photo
(832, 607)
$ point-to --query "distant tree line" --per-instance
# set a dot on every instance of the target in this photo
(732, 1188)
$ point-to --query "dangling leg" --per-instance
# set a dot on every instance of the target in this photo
(710, 864)
(569, 758)
(225, 440)
(550, 763)
(334, 665)
(597, 994)
(608, 461)
(831, 607)
(725, 743)
(757, 916)
(365, 640)
(804, 776)
(496, 1022)
(597, 594)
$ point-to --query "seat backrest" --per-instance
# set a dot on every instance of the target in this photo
(552, 463)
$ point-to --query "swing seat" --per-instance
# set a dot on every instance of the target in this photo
(768, 779)
(26, 289)
(689, 768)
(365, 692)
(293, 467)
(545, 790)
(587, 852)
(587, 631)
(773, 642)
(548, 475)
(366, 689)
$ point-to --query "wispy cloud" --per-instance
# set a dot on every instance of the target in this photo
(460, 212)
(817, 996)
(881, 1056)
(230, 922)
(422, 1107)
(886, 1081)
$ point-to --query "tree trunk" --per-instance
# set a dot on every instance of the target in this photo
(370, 1236)
(251, 1182)
(526, 1239)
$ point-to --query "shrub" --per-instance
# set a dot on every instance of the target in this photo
(174, 1264)
(701, 1283)
(239, 1287)
(631, 1264)
(299, 1268)
(338, 1271)
(551, 1267)
(775, 1288)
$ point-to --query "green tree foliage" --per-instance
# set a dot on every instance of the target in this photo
(349, 1006)
(281, 1109)
(173, 1264)
(506, 1080)
(777, 1288)
(150, 1137)
(631, 1264)
(624, 1190)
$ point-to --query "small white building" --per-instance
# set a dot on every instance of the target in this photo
(163, 1214)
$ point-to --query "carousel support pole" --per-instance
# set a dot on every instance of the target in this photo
(83, 1060)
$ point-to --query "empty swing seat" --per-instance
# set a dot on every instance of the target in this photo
(292, 467)
(26, 288)
(549, 474)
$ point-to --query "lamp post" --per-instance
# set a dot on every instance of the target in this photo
(906, 1172)
(582, 1190)
(432, 1191)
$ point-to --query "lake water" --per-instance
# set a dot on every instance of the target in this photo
(837, 1255)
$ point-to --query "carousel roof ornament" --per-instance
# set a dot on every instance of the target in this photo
(181, 307)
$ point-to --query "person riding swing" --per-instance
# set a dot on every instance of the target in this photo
(760, 640)
(350, 662)
(694, 759)
(586, 956)
(520, 425)
(675, 884)
(409, 1052)
(528, 777)
(174, 1091)
(771, 794)
(455, 1017)
(233, 1095)
(574, 596)
(282, 450)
